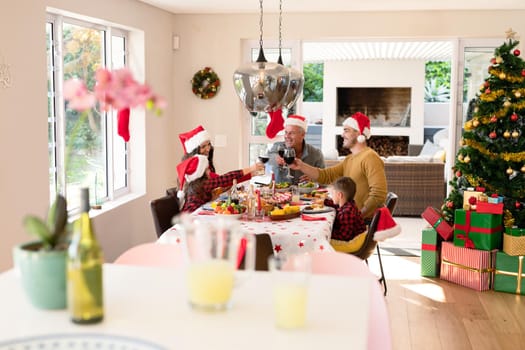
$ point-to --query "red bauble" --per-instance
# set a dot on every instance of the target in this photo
(486, 84)
(514, 117)
(450, 204)
(472, 200)
(516, 52)
(458, 173)
(493, 119)
(487, 91)
(523, 72)
(517, 204)
(493, 60)
(493, 135)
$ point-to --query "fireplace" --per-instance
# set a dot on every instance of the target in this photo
(384, 145)
(385, 106)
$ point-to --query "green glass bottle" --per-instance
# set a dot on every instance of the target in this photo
(84, 269)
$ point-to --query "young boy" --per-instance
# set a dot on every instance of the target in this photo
(349, 222)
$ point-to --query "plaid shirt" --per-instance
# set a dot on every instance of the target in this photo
(193, 202)
(348, 221)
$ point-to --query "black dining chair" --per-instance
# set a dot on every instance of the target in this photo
(163, 210)
(263, 250)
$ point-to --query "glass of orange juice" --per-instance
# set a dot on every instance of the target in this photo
(216, 250)
(290, 289)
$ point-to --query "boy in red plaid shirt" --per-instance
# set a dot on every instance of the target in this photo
(348, 222)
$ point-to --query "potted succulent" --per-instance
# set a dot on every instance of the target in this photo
(42, 263)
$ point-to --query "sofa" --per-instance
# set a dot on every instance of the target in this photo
(419, 182)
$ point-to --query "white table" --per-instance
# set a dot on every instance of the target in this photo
(288, 236)
(150, 304)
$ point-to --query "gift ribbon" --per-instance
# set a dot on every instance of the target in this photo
(436, 224)
(518, 274)
(431, 247)
(466, 227)
(465, 267)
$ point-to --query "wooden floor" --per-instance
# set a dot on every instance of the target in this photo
(428, 313)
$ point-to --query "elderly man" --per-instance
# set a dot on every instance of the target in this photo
(295, 127)
(363, 165)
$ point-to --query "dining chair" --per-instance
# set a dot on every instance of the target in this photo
(263, 250)
(336, 263)
(163, 210)
(152, 254)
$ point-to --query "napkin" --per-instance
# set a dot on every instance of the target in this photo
(312, 218)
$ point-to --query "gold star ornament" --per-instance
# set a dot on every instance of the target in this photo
(510, 34)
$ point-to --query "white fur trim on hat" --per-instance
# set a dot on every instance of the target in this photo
(297, 120)
(193, 138)
(386, 227)
(360, 122)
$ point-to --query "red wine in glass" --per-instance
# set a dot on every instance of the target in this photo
(265, 158)
(289, 160)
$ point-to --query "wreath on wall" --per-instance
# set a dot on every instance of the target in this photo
(205, 83)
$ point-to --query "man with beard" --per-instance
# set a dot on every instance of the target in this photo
(363, 165)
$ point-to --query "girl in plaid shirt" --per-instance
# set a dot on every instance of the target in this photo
(348, 221)
(197, 185)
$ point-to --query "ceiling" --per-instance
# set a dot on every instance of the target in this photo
(315, 6)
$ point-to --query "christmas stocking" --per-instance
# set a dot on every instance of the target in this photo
(123, 123)
(276, 123)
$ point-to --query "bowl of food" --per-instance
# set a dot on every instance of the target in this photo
(307, 187)
(282, 186)
(229, 210)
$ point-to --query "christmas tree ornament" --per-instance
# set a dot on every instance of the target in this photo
(468, 125)
(499, 59)
(515, 134)
(514, 117)
(476, 109)
(475, 123)
(517, 94)
(461, 142)
(523, 72)
(460, 157)
(506, 103)
(502, 76)
(518, 205)
(450, 204)
(516, 52)
(513, 175)
(493, 135)
(466, 159)
(493, 60)
(510, 171)
(523, 169)
(486, 84)
(458, 173)
(493, 119)
(506, 134)
(487, 91)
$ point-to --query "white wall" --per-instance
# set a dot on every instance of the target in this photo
(205, 40)
(374, 74)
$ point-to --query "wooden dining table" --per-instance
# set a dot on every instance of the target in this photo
(147, 308)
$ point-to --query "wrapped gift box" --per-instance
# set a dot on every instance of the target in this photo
(470, 268)
(489, 208)
(467, 195)
(434, 218)
(510, 274)
(430, 242)
(495, 199)
(514, 241)
(479, 231)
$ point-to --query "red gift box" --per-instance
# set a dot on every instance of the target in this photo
(435, 219)
(489, 208)
(470, 268)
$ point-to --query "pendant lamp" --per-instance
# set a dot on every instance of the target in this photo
(261, 85)
(296, 77)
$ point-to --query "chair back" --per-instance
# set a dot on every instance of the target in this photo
(153, 254)
(369, 244)
(263, 250)
(391, 202)
(163, 210)
(172, 191)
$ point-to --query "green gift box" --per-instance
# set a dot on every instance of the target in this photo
(510, 274)
(514, 231)
(430, 253)
(477, 230)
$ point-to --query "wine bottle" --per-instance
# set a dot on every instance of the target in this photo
(234, 193)
(84, 269)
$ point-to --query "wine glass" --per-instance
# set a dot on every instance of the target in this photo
(264, 157)
(280, 152)
(289, 157)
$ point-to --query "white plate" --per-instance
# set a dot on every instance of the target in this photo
(78, 341)
(325, 209)
(230, 216)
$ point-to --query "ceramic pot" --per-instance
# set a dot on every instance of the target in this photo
(42, 274)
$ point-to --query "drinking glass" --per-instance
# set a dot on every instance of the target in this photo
(264, 157)
(289, 157)
(290, 277)
(280, 151)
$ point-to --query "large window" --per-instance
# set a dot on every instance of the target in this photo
(84, 150)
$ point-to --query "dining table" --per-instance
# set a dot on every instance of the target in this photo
(310, 231)
(147, 308)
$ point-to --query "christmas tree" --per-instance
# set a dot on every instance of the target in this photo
(492, 153)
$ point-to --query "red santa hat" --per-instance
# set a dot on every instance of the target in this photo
(296, 120)
(191, 169)
(386, 227)
(360, 122)
(192, 139)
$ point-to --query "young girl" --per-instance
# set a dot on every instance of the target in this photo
(197, 185)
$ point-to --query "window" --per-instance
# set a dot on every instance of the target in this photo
(84, 149)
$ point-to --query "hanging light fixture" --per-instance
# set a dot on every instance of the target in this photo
(261, 85)
(296, 77)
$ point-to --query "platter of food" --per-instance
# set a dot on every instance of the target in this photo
(307, 187)
(285, 216)
(285, 213)
(317, 209)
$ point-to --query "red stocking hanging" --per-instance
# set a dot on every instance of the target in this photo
(123, 123)
(276, 123)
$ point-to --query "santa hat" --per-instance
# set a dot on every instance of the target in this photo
(361, 123)
(386, 227)
(192, 139)
(191, 169)
(296, 120)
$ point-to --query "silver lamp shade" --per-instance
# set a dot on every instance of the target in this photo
(295, 89)
(262, 86)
